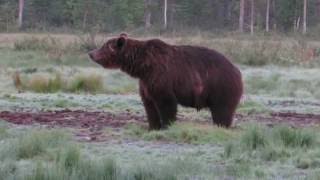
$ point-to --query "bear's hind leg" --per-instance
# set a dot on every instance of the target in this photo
(222, 116)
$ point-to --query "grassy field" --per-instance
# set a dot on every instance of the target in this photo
(63, 117)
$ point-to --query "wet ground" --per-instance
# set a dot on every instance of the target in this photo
(89, 115)
(96, 119)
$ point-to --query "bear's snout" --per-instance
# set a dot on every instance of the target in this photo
(93, 55)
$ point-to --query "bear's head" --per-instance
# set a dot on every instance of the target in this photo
(108, 55)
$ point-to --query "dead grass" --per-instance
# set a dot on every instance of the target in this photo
(253, 51)
(86, 83)
(43, 83)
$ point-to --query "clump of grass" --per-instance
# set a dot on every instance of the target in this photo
(63, 103)
(274, 152)
(70, 158)
(91, 169)
(184, 133)
(270, 143)
(250, 107)
(33, 43)
(3, 133)
(290, 137)
(135, 130)
(126, 88)
(152, 172)
(81, 83)
(34, 144)
(229, 149)
(7, 168)
(239, 169)
(167, 170)
(303, 163)
(262, 52)
(3, 130)
(255, 137)
(81, 169)
(294, 83)
(262, 84)
(44, 84)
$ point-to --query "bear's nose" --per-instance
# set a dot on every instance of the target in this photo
(91, 54)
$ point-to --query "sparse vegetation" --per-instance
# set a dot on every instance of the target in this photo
(272, 144)
(184, 133)
(41, 83)
(53, 156)
(91, 83)
(37, 44)
(33, 144)
(251, 107)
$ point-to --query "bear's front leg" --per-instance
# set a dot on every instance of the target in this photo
(151, 110)
(167, 106)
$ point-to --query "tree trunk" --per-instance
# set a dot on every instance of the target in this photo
(252, 18)
(318, 10)
(241, 16)
(268, 16)
(297, 24)
(84, 20)
(165, 13)
(147, 14)
(304, 30)
(20, 16)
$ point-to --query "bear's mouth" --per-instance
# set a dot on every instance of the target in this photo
(102, 62)
(94, 56)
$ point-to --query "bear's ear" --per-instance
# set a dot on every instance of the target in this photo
(121, 42)
(125, 35)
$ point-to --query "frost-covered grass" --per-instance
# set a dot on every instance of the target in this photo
(278, 147)
(282, 82)
(71, 80)
(250, 152)
(183, 133)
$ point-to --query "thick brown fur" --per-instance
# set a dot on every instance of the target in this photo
(170, 75)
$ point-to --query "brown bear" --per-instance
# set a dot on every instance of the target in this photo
(169, 75)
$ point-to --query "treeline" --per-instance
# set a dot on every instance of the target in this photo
(165, 15)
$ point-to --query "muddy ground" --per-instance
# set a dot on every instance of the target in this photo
(96, 119)
(90, 124)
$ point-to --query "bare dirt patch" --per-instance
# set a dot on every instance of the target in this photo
(87, 125)
(292, 119)
(100, 119)
(68, 118)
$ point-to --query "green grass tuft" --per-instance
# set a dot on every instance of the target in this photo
(251, 107)
(70, 158)
(290, 137)
(33, 144)
(184, 133)
(33, 43)
(3, 130)
(255, 137)
(42, 85)
(81, 83)
(272, 144)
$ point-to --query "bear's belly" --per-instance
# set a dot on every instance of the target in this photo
(192, 100)
(191, 94)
